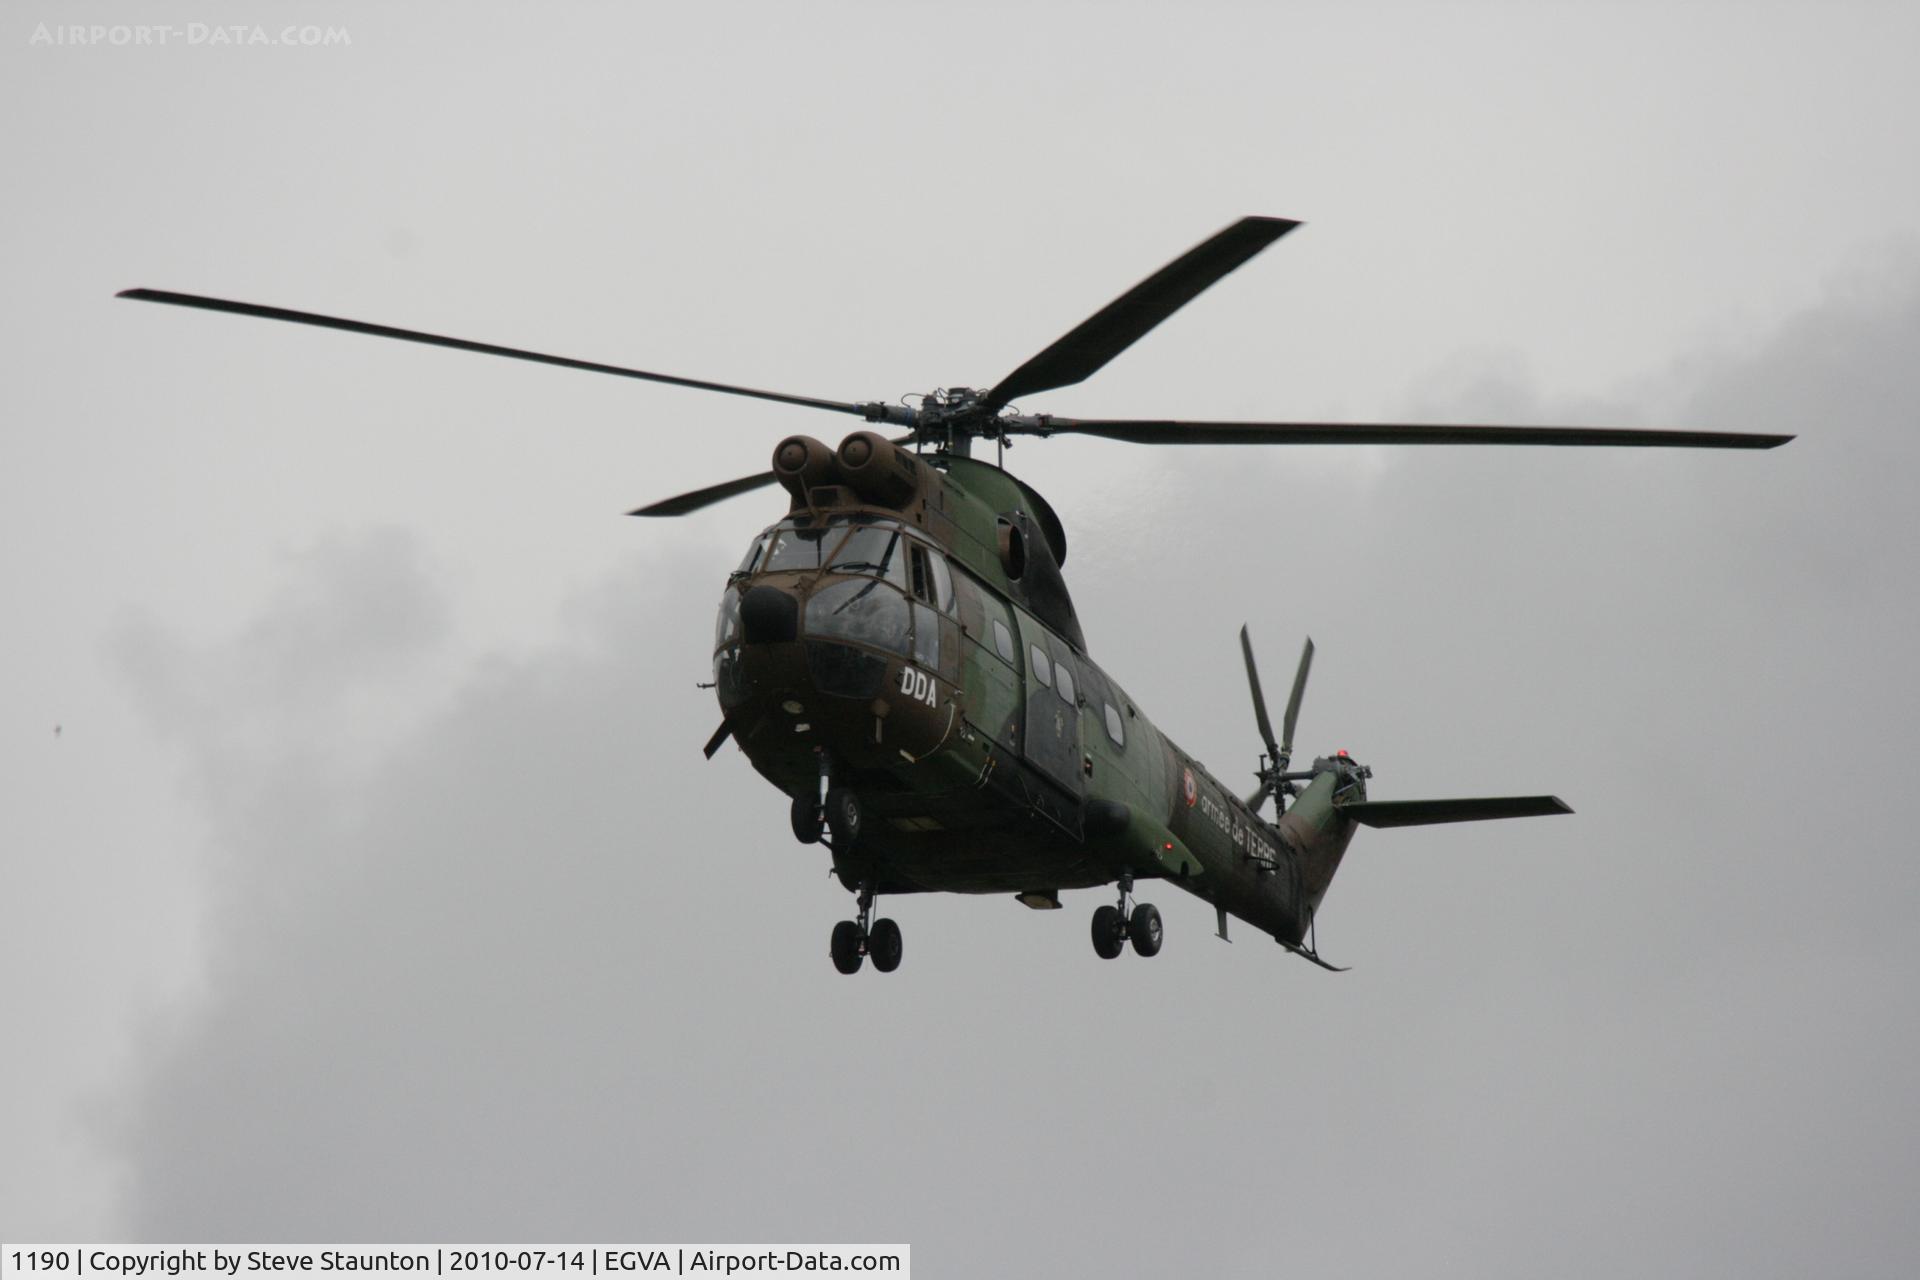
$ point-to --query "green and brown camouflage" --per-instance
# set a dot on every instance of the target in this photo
(901, 655)
(906, 632)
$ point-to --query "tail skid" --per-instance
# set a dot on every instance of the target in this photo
(1308, 953)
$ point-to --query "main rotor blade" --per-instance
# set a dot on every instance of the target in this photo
(1259, 700)
(1129, 317)
(694, 501)
(1293, 703)
(1174, 431)
(462, 344)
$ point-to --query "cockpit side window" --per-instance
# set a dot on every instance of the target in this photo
(921, 576)
(931, 580)
(942, 582)
(726, 628)
(926, 637)
(753, 555)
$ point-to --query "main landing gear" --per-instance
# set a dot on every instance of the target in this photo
(854, 940)
(1114, 926)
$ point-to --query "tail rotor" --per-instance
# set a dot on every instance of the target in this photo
(1274, 779)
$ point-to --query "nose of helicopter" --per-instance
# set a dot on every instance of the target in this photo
(769, 615)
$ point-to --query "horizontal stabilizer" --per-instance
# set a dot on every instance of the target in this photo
(1414, 813)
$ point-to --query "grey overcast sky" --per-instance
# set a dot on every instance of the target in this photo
(373, 886)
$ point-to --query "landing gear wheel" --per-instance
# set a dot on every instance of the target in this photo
(1109, 932)
(1144, 928)
(846, 947)
(843, 817)
(806, 819)
(884, 945)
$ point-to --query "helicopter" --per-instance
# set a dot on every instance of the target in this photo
(900, 656)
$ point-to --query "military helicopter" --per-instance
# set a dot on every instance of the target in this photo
(900, 656)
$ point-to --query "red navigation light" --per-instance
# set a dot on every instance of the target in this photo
(1342, 753)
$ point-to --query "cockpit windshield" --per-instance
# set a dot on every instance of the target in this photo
(862, 611)
(875, 549)
(881, 578)
(796, 549)
(873, 546)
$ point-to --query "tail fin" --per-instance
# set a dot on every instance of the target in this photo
(1413, 813)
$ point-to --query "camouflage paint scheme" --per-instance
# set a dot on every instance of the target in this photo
(976, 777)
(932, 668)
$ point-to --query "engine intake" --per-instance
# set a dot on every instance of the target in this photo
(803, 464)
(879, 470)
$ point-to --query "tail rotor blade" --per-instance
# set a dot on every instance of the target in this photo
(1293, 703)
(1259, 699)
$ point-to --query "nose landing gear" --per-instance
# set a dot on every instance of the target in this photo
(1114, 926)
(806, 818)
(832, 806)
(844, 818)
(855, 940)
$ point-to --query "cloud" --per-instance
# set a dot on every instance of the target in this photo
(518, 963)
(352, 623)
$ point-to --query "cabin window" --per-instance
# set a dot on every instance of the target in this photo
(1063, 683)
(753, 555)
(984, 613)
(1038, 664)
(1116, 727)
